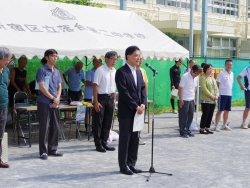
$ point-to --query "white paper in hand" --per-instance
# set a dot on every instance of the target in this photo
(174, 92)
(138, 122)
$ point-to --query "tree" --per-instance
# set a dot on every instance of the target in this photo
(172, 36)
(80, 2)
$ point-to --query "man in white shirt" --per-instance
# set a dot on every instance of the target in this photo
(225, 81)
(246, 74)
(104, 91)
(187, 89)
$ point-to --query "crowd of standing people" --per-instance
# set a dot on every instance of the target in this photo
(101, 84)
(131, 82)
(212, 91)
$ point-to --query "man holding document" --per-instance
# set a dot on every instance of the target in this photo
(132, 100)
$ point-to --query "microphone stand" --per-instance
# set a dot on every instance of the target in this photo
(151, 169)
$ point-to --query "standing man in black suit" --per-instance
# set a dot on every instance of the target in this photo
(132, 99)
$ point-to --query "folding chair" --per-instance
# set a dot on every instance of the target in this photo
(66, 100)
(19, 97)
(32, 100)
(21, 100)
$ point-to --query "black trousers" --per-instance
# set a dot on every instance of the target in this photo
(128, 143)
(186, 114)
(103, 119)
(75, 95)
(207, 115)
(49, 119)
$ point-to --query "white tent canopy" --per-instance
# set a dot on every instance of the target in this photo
(29, 27)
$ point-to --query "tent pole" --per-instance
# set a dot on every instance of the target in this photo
(246, 19)
(123, 4)
(204, 29)
(191, 34)
(203, 46)
(197, 101)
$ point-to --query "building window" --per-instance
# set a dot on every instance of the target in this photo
(248, 8)
(183, 4)
(228, 7)
(221, 47)
(138, 1)
(183, 40)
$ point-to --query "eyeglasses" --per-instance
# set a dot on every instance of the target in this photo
(56, 56)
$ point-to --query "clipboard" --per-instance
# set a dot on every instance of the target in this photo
(46, 83)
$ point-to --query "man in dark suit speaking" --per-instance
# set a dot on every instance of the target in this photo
(132, 99)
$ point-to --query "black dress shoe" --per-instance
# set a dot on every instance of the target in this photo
(100, 149)
(190, 134)
(126, 171)
(135, 170)
(105, 146)
(203, 131)
(209, 132)
(184, 135)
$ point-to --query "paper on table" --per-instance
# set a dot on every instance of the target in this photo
(138, 122)
(76, 103)
(174, 92)
(46, 83)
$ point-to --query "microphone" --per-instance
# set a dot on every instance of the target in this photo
(149, 66)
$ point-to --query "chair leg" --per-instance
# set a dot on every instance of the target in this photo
(113, 120)
(20, 127)
(14, 131)
(78, 124)
(61, 131)
(70, 128)
(35, 131)
(89, 129)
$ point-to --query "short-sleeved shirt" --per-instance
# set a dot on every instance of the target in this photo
(105, 79)
(74, 79)
(88, 92)
(54, 81)
(188, 84)
(246, 74)
(144, 76)
(4, 78)
(226, 82)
